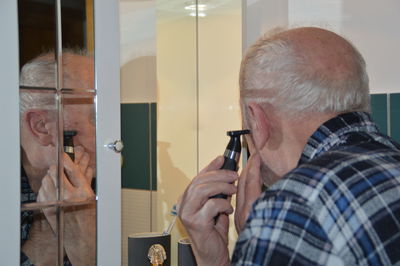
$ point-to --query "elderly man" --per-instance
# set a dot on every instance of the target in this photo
(333, 180)
(39, 156)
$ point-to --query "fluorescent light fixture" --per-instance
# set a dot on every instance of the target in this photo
(200, 14)
(200, 7)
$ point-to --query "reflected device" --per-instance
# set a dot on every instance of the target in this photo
(69, 143)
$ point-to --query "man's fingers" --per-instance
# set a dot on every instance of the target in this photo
(215, 164)
(209, 182)
(205, 215)
(84, 162)
(226, 176)
(214, 207)
(47, 190)
(249, 189)
(78, 150)
(89, 175)
(74, 175)
(253, 180)
(249, 173)
(249, 142)
(199, 194)
(197, 197)
(52, 173)
(222, 226)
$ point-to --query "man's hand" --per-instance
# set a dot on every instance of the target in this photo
(249, 189)
(197, 211)
(80, 223)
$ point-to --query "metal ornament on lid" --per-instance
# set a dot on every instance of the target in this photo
(157, 254)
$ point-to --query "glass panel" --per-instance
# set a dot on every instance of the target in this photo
(39, 132)
(38, 240)
(37, 35)
(79, 163)
(57, 107)
(39, 160)
(198, 58)
(220, 47)
(77, 113)
(177, 123)
(79, 130)
(39, 135)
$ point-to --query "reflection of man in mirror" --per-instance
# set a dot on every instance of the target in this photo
(39, 158)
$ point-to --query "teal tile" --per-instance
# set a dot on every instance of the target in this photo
(395, 116)
(379, 111)
(137, 168)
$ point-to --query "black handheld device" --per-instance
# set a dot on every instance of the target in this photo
(69, 143)
(232, 153)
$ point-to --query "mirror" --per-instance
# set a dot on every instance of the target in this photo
(57, 129)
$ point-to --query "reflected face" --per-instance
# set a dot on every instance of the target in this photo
(79, 111)
(81, 118)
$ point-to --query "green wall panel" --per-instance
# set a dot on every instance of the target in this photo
(153, 121)
(138, 132)
(395, 116)
(379, 111)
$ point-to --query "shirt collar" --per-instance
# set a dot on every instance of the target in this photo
(331, 133)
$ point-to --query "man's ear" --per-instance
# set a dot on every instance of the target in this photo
(259, 125)
(39, 125)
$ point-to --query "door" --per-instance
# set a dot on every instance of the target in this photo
(77, 104)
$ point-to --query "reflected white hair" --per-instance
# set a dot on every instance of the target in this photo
(296, 87)
(41, 72)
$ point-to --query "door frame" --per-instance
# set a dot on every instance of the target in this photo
(9, 133)
(107, 78)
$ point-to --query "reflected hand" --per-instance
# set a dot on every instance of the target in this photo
(249, 189)
(79, 230)
(197, 211)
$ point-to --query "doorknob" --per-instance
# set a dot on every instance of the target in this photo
(116, 146)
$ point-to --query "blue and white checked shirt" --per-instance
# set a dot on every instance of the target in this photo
(340, 206)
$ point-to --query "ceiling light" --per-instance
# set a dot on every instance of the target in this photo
(200, 7)
(200, 14)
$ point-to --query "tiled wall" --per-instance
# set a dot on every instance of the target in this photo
(386, 113)
(138, 132)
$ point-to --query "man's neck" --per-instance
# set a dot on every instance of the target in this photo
(33, 174)
(296, 134)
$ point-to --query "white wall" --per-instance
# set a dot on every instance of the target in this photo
(138, 51)
(372, 26)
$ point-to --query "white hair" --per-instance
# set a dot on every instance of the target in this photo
(39, 74)
(295, 86)
(36, 75)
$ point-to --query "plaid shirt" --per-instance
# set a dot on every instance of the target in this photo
(340, 206)
(27, 196)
